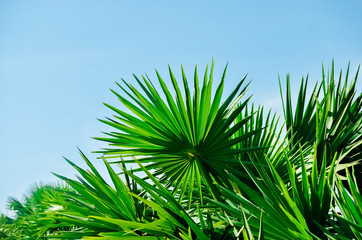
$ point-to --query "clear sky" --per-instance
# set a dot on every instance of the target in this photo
(59, 58)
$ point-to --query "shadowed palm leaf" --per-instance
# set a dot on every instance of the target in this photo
(335, 120)
(350, 209)
(290, 211)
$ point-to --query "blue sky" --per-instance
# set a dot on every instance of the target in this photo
(58, 60)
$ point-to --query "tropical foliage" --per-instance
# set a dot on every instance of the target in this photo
(213, 167)
(28, 222)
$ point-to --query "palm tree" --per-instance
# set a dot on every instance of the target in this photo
(217, 168)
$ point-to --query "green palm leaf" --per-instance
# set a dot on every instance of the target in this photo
(182, 137)
(349, 213)
(334, 119)
(293, 210)
(96, 209)
(28, 223)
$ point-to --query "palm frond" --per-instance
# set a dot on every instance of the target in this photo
(183, 137)
(334, 120)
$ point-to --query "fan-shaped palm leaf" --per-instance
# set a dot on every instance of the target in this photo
(188, 139)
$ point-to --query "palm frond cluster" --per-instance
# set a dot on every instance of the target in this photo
(210, 167)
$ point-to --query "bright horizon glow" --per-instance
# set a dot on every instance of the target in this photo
(58, 60)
